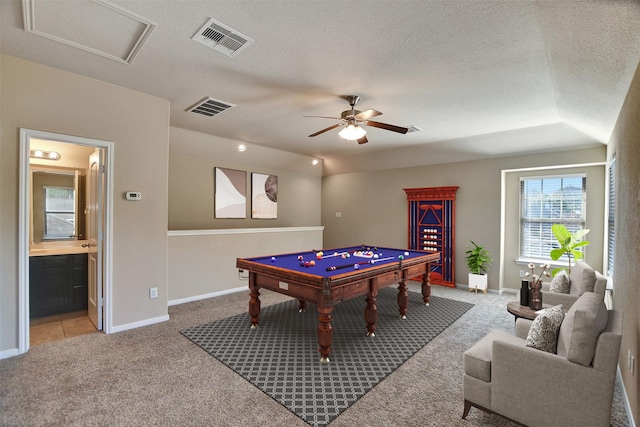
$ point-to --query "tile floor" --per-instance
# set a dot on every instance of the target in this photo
(60, 326)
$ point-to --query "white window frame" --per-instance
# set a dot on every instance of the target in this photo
(540, 256)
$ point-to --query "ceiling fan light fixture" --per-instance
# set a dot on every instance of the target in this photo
(352, 132)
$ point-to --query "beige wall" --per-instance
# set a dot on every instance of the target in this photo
(625, 144)
(191, 192)
(47, 99)
(373, 205)
(202, 264)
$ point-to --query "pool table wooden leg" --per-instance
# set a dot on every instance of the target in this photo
(371, 314)
(403, 299)
(254, 301)
(426, 286)
(325, 330)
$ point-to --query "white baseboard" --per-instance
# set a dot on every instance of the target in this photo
(134, 325)
(209, 295)
(5, 354)
(489, 291)
(627, 406)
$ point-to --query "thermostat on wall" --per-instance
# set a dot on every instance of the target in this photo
(133, 195)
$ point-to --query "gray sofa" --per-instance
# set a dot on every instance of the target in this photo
(582, 279)
(572, 387)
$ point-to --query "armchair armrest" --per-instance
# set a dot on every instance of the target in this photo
(557, 298)
(522, 327)
(534, 387)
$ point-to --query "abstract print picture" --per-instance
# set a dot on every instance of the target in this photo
(230, 193)
(264, 196)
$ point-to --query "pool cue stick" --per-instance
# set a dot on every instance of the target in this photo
(372, 261)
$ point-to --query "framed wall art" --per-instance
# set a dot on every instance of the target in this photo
(264, 196)
(230, 193)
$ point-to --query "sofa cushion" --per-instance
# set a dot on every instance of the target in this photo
(543, 333)
(477, 359)
(560, 283)
(581, 327)
(582, 279)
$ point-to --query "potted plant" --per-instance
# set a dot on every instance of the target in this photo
(478, 260)
(568, 245)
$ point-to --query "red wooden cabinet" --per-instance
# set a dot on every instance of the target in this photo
(432, 223)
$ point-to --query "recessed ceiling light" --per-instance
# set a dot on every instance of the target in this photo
(242, 147)
(315, 162)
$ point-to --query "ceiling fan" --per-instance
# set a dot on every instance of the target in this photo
(354, 119)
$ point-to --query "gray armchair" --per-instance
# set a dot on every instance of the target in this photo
(582, 279)
(573, 387)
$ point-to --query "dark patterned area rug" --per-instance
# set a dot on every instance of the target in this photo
(281, 357)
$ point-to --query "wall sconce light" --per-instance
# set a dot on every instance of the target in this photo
(44, 155)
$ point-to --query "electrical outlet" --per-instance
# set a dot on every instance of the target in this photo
(522, 273)
(153, 293)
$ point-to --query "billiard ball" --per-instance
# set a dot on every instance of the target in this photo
(273, 259)
(312, 263)
(406, 254)
(400, 257)
(356, 266)
(376, 256)
(300, 258)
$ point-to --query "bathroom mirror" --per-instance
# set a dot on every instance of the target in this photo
(57, 204)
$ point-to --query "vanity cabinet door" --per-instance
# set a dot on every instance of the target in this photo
(57, 284)
(79, 284)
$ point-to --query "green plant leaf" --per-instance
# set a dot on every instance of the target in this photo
(580, 234)
(561, 232)
(556, 253)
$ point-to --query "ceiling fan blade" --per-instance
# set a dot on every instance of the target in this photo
(387, 127)
(362, 140)
(367, 114)
(325, 117)
(325, 130)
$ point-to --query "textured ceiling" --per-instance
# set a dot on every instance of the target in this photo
(481, 78)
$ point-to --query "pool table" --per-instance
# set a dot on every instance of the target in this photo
(329, 276)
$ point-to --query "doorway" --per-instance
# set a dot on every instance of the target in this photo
(99, 230)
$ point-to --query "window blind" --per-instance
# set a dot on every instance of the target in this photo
(546, 201)
(611, 217)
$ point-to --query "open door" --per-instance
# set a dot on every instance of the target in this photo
(95, 187)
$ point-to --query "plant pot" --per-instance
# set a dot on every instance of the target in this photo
(478, 281)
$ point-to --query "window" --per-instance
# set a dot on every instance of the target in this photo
(611, 216)
(546, 201)
(59, 212)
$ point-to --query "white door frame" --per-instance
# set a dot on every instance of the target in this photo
(23, 227)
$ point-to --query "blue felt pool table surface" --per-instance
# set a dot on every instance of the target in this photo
(337, 258)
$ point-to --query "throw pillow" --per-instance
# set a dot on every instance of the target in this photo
(543, 333)
(579, 332)
(582, 278)
(560, 283)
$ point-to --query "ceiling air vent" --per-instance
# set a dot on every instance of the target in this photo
(414, 128)
(210, 107)
(219, 37)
